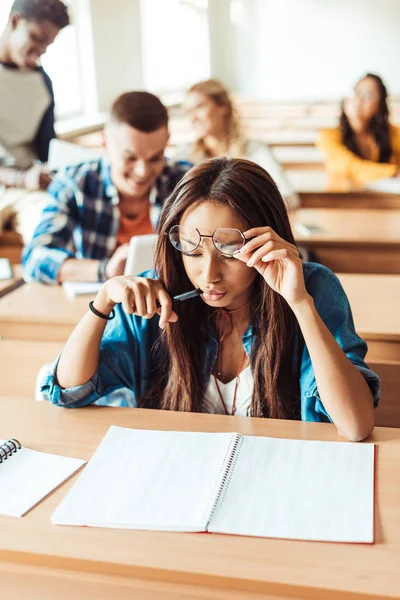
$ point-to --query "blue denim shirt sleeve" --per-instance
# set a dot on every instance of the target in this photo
(334, 309)
(52, 241)
(125, 369)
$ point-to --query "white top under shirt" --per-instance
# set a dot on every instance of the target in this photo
(213, 403)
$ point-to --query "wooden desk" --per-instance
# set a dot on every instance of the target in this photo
(11, 245)
(174, 565)
(317, 189)
(354, 241)
(6, 284)
(40, 312)
(299, 157)
(375, 301)
(21, 361)
(283, 137)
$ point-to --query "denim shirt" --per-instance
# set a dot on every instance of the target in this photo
(127, 362)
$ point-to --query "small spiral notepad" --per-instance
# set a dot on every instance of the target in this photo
(225, 483)
(27, 476)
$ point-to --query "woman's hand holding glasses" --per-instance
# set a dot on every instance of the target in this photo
(277, 261)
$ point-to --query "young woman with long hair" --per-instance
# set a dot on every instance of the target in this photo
(365, 146)
(214, 118)
(268, 336)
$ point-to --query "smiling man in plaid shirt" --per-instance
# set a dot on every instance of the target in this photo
(95, 208)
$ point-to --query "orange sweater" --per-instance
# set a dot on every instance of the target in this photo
(140, 225)
(341, 161)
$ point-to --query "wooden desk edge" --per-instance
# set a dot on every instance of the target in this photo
(181, 578)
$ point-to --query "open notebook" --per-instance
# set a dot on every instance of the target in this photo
(225, 483)
(27, 476)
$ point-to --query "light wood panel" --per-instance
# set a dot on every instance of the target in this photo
(283, 137)
(39, 583)
(317, 189)
(21, 361)
(354, 241)
(375, 300)
(298, 157)
(11, 246)
(40, 312)
(219, 562)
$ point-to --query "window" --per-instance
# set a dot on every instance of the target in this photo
(61, 63)
(5, 6)
(174, 57)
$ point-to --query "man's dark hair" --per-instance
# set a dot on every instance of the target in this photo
(140, 110)
(53, 11)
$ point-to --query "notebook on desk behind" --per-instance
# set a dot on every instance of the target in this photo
(225, 483)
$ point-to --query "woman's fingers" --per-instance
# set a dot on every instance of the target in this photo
(282, 254)
(268, 248)
(261, 236)
(151, 303)
(128, 301)
(165, 311)
(140, 299)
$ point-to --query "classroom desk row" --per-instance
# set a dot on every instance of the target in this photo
(351, 241)
(42, 561)
(272, 137)
(43, 313)
(317, 189)
(293, 157)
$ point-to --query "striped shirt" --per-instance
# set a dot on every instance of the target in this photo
(82, 217)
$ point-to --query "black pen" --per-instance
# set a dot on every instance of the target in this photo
(187, 295)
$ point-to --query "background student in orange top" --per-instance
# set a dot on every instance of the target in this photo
(365, 146)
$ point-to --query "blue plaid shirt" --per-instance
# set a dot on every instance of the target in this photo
(82, 217)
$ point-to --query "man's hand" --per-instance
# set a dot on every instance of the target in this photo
(37, 178)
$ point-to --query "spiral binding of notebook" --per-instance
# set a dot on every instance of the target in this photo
(225, 473)
(9, 448)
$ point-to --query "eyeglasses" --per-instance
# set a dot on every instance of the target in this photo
(226, 240)
(363, 96)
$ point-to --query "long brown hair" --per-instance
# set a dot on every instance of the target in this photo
(378, 126)
(248, 190)
(217, 93)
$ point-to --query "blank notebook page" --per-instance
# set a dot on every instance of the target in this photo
(299, 490)
(28, 476)
(139, 479)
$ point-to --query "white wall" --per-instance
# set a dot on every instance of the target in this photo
(117, 48)
(304, 49)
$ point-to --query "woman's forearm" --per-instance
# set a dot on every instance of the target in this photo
(343, 390)
(80, 358)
